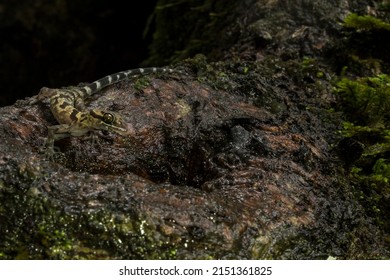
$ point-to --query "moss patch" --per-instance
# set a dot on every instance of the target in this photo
(365, 101)
(365, 22)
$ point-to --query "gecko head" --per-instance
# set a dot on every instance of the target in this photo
(108, 121)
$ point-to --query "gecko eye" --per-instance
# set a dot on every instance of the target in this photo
(108, 118)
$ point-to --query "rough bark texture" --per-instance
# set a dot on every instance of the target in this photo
(231, 160)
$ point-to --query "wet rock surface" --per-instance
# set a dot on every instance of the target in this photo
(231, 160)
(204, 173)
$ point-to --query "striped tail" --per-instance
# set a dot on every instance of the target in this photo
(114, 78)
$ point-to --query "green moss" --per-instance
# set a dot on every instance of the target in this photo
(365, 23)
(42, 229)
(366, 102)
(365, 48)
(369, 66)
(308, 62)
(367, 99)
(141, 83)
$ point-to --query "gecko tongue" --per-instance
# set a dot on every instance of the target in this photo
(127, 129)
(115, 129)
(124, 130)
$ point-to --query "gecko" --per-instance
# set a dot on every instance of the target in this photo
(67, 107)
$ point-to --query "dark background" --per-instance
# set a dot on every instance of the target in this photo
(64, 43)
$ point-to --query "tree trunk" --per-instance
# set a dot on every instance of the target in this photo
(229, 158)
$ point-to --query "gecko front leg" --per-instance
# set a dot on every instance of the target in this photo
(84, 123)
(58, 132)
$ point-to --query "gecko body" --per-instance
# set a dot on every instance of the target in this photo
(67, 106)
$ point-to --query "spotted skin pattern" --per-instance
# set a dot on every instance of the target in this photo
(67, 106)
